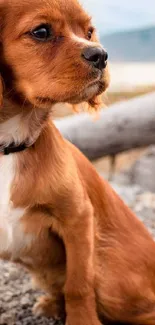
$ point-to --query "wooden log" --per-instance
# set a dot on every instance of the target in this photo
(123, 126)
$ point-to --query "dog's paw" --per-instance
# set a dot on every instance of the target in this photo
(47, 307)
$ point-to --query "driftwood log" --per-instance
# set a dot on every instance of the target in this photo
(123, 126)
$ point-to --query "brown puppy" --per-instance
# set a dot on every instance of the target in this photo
(82, 245)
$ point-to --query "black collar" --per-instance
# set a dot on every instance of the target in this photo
(13, 148)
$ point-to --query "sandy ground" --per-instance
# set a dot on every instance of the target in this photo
(16, 294)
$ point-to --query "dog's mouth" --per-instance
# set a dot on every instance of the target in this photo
(93, 89)
(87, 92)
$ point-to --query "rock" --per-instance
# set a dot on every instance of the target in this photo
(25, 301)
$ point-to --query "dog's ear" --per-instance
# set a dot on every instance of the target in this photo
(2, 2)
(1, 80)
(1, 92)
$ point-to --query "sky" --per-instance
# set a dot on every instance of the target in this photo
(117, 15)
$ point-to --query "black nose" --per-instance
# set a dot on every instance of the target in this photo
(96, 56)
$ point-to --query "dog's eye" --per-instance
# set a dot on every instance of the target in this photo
(42, 33)
(90, 32)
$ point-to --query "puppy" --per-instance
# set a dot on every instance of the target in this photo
(94, 259)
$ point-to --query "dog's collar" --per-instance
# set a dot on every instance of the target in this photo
(13, 148)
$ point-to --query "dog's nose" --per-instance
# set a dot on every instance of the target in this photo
(96, 56)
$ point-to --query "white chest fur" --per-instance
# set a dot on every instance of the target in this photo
(10, 232)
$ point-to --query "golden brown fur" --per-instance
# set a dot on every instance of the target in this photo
(82, 245)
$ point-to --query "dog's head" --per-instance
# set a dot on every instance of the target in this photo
(49, 53)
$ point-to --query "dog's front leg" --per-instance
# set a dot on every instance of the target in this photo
(77, 232)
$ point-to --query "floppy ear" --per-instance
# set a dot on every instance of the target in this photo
(2, 5)
(1, 91)
(1, 82)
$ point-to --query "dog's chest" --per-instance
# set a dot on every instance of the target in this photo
(10, 232)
